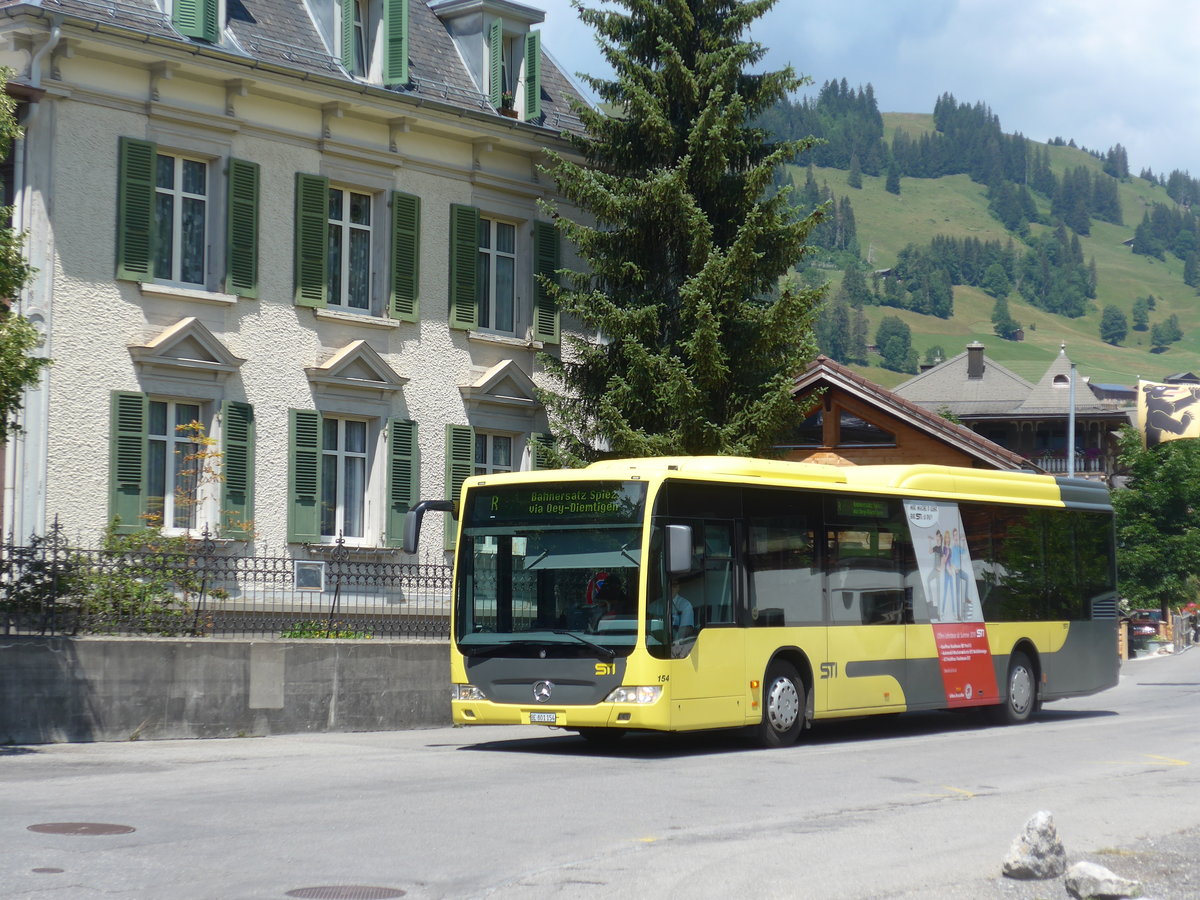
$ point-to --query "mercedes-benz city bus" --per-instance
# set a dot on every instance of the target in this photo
(715, 592)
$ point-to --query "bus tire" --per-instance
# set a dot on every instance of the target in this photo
(602, 737)
(1021, 693)
(784, 705)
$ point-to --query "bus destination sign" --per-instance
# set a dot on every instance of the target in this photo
(558, 504)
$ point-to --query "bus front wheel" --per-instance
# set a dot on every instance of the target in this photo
(1021, 700)
(784, 705)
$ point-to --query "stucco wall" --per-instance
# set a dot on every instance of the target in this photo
(118, 689)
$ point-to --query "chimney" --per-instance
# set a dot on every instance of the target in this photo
(975, 360)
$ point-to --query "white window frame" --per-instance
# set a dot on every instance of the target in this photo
(489, 442)
(179, 195)
(339, 294)
(342, 456)
(177, 446)
(488, 305)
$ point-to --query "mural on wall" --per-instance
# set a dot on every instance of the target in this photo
(1167, 412)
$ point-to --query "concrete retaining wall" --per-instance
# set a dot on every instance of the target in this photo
(119, 689)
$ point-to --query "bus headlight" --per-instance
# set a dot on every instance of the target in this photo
(644, 694)
(466, 692)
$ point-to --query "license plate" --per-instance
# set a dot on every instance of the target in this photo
(544, 717)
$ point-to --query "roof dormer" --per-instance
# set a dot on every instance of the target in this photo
(500, 51)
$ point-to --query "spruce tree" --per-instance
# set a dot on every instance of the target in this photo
(689, 342)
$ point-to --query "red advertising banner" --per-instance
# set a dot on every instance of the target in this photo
(967, 671)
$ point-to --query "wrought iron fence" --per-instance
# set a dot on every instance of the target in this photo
(153, 585)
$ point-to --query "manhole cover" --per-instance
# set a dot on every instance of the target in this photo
(89, 828)
(346, 892)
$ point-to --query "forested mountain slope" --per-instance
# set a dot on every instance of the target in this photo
(943, 230)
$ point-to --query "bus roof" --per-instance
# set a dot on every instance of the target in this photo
(948, 482)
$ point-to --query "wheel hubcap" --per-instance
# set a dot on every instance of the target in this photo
(783, 704)
(1020, 690)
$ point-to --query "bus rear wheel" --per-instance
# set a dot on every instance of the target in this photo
(784, 705)
(1021, 699)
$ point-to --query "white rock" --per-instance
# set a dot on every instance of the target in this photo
(1037, 853)
(1087, 879)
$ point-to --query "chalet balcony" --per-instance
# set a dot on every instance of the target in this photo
(1087, 465)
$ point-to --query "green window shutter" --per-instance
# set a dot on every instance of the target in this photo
(539, 451)
(406, 248)
(533, 75)
(304, 476)
(135, 210)
(402, 477)
(495, 62)
(545, 264)
(460, 464)
(127, 461)
(464, 266)
(395, 30)
(197, 19)
(237, 485)
(241, 232)
(312, 240)
(348, 34)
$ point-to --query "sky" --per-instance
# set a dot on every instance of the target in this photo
(1095, 71)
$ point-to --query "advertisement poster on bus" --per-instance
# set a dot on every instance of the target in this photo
(948, 579)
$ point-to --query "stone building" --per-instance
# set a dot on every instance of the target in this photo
(309, 227)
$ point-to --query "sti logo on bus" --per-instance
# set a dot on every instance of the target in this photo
(828, 670)
(606, 669)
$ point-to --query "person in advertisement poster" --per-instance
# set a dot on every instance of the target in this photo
(952, 597)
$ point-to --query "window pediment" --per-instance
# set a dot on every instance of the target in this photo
(187, 347)
(356, 366)
(505, 385)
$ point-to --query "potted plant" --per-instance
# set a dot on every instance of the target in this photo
(506, 105)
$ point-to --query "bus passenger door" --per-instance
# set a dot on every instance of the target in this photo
(868, 605)
(708, 669)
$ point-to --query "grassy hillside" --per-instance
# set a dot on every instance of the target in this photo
(957, 206)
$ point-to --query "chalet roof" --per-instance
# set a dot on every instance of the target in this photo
(282, 34)
(947, 385)
(1052, 394)
(998, 392)
(824, 371)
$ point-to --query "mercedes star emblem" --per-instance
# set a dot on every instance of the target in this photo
(542, 690)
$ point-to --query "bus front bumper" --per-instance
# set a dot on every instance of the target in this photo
(654, 716)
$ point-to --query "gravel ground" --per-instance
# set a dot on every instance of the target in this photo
(1168, 868)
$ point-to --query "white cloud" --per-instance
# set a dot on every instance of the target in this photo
(1100, 73)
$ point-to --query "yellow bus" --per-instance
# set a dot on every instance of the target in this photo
(679, 594)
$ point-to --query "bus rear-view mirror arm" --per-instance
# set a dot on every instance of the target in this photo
(412, 520)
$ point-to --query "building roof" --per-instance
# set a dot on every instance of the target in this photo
(998, 392)
(281, 35)
(824, 371)
(947, 386)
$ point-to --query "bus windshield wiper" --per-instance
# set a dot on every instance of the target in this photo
(611, 654)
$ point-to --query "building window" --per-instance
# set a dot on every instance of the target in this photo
(343, 477)
(856, 431)
(349, 249)
(493, 453)
(175, 464)
(496, 275)
(373, 39)
(181, 219)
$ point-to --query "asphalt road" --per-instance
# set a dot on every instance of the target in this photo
(904, 807)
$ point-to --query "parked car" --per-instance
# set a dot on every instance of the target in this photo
(1144, 622)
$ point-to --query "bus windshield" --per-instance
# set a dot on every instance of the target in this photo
(550, 570)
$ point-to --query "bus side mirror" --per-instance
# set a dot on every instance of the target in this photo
(679, 549)
(412, 520)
